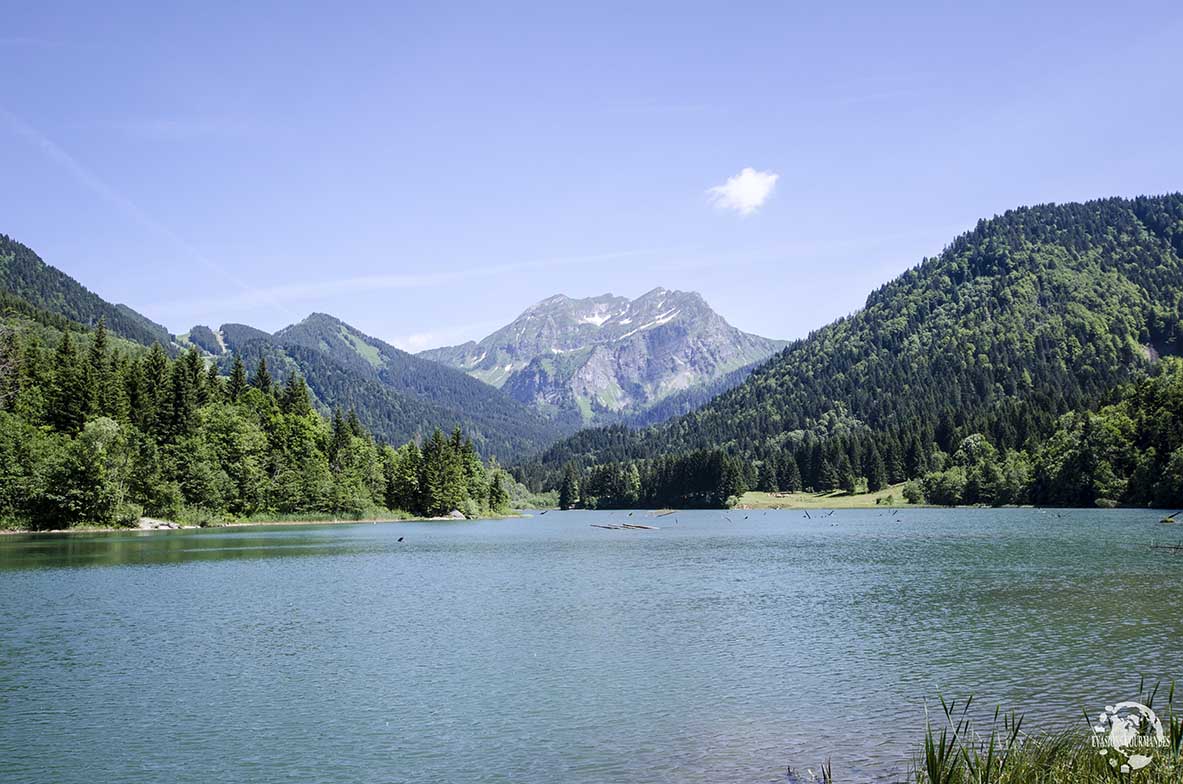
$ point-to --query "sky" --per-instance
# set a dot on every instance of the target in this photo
(427, 171)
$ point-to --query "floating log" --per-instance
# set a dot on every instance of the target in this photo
(609, 527)
(640, 527)
(1170, 548)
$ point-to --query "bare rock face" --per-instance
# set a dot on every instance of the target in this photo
(610, 359)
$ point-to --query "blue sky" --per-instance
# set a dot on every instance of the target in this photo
(427, 171)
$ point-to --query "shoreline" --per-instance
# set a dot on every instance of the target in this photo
(249, 524)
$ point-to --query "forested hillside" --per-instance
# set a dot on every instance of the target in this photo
(94, 432)
(25, 276)
(1032, 314)
(397, 396)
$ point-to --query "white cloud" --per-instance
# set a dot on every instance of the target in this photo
(744, 193)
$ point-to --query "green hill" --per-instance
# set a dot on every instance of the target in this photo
(1031, 314)
(24, 275)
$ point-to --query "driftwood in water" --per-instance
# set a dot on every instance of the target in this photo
(1170, 548)
(640, 527)
(610, 527)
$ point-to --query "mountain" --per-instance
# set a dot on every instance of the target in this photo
(397, 395)
(610, 359)
(24, 275)
(1033, 313)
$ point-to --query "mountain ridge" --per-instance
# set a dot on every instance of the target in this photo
(607, 358)
(397, 395)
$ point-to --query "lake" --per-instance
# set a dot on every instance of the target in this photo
(721, 648)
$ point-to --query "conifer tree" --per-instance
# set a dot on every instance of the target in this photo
(355, 428)
(155, 389)
(295, 396)
(213, 384)
(339, 440)
(99, 371)
(498, 496)
(827, 476)
(237, 384)
(874, 469)
(10, 356)
(569, 489)
(262, 378)
(70, 395)
(179, 412)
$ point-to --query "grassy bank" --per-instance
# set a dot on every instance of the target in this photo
(891, 495)
(187, 522)
(956, 750)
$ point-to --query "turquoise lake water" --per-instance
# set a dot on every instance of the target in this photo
(723, 647)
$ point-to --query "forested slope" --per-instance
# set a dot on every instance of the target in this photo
(397, 396)
(25, 276)
(1034, 313)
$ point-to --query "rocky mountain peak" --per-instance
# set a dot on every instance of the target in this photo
(600, 358)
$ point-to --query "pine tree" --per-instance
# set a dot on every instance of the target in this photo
(845, 474)
(99, 370)
(214, 388)
(874, 469)
(181, 407)
(767, 480)
(498, 496)
(790, 475)
(569, 489)
(10, 365)
(442, 482)
(339, 441)
(402, 469)
(155, 392)
(262, 378)
(70, 394)
(355, 428)
(295, 396)
(237, 384)
(827, 476)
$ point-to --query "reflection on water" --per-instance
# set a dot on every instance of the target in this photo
(545, 649)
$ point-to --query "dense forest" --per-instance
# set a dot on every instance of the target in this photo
(1033, 315)
(99, 431)
(1129, 452)
(397, 396)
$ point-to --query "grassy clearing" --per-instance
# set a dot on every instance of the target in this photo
(834, 500)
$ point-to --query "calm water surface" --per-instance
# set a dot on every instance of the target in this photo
(545, 650)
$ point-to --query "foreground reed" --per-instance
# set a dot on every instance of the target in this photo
(1105, 748)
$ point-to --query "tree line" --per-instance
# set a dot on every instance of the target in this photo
(702, 479)
(91, 432)
(1126, 453)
